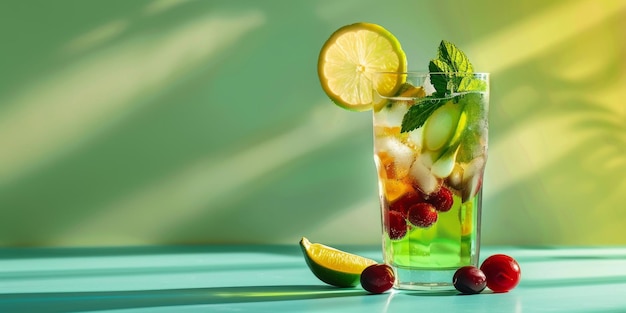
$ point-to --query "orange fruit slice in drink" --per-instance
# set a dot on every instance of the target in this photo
(396, 188)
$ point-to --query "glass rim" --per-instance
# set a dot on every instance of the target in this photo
(431, 99)
(425, 72)
(426, 76)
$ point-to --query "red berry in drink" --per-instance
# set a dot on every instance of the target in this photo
(404, 202)
(396, 225)
(469, 280)
(441, 199)
(377, 278)
(502, 271)
(422, 215)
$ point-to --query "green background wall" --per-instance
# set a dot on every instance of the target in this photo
(164, 122)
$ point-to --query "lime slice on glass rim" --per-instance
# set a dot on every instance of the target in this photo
(332, 266)
(348, 59)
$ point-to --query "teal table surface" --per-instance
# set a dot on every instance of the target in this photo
(276, 279)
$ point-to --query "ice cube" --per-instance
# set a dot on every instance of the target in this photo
(474, 168)
(471, 187)
(402, 154)
(416, 138)
(472, 177)
(423, 177)
(391, 115)
(455, 180)
(427, 158)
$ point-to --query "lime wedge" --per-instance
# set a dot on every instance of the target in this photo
(332, 266)
(348, 59)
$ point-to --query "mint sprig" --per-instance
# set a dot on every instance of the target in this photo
(454, 57)
(449, 74)
(450, 61)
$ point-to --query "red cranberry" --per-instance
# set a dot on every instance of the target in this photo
(442, 199)
(377, 278)
(502, 271)
(404, 202)
(469, 280)
(396, 225)
(422, 215)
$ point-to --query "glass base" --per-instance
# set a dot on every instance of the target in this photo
(424, 279)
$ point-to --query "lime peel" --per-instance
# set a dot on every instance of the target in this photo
(349, 58)
(332, 266)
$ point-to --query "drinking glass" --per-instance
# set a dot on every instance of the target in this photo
(430, 174)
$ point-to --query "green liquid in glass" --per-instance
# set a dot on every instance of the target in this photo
(448, 244)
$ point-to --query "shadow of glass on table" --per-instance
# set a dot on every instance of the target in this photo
(111, 300)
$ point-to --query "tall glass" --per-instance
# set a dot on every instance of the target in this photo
(430, 177)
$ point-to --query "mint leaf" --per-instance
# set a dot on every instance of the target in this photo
(454, 57)
(439, 81)
(469, 83)
(450, 59)
(419, 113)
